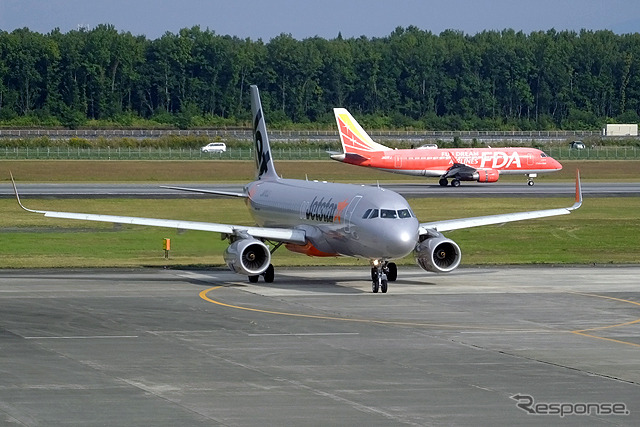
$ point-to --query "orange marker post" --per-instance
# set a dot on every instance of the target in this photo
(166, 245)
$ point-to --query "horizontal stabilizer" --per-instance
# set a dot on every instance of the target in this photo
(349, 157)
(196, 190)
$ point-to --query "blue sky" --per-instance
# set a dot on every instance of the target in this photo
(266, 19)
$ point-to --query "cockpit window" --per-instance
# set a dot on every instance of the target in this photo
(388, 213)
(543, 155)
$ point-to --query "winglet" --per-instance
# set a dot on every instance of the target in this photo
(578, 202)
(15, 190)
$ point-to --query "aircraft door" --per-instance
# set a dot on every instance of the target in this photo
(530, 161)
(348, 212)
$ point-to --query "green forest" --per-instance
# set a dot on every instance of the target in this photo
(410, 79)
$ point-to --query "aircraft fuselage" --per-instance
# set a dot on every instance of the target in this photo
(435, 162)
(333, 217)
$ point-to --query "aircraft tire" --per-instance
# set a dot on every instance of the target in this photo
(374, 286)
(383, 286)
(443, 182)
(392, 273)
(455, 183)
(269, 274)
(530, 183)
(253, 279)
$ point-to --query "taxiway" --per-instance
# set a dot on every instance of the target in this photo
(316, 347)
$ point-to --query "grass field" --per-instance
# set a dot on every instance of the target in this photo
(603, 231)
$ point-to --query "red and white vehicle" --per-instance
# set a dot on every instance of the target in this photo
(456, 164)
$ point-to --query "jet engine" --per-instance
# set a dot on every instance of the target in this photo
(438, 254)
(463, 172)
(248, 256)
(490, 175)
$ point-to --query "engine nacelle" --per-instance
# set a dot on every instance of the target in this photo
(489, 175)
(248, 256)
(438, 254)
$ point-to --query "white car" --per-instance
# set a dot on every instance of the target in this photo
(214, 147)
(577, 145)
(428, 146)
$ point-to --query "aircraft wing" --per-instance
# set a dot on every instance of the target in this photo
(277, 234)
(456, 224)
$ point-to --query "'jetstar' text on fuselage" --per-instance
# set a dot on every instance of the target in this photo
(328, 211)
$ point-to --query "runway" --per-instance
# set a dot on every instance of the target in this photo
(102, 190)
(316, 347)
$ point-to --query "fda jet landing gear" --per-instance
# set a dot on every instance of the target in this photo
(455, 182)
(530, 177)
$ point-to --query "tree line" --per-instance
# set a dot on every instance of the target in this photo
(493, 80)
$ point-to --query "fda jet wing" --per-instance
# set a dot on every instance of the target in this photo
(288, 235)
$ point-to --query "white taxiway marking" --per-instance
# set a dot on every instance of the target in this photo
(81, 337)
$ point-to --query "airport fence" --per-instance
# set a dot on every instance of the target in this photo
(287, 153)
(151, 153)
(594, 153)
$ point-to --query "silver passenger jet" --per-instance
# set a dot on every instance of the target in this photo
(318, 218)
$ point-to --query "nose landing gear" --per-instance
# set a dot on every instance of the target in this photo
(382, 272)
(530, 177)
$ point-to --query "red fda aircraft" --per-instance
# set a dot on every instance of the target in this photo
(457, 164)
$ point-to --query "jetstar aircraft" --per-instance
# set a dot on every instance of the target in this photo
(318, 218)
(457, 164)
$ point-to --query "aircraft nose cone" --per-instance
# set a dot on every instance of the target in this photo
(401, 240)
(557, 165)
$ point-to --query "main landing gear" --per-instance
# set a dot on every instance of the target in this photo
(455, 182)
(382, 272)
(268, 275)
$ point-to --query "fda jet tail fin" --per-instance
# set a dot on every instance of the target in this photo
(354, 139)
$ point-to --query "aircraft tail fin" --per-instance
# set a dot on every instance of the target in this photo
(264, 160)
(354, 139)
